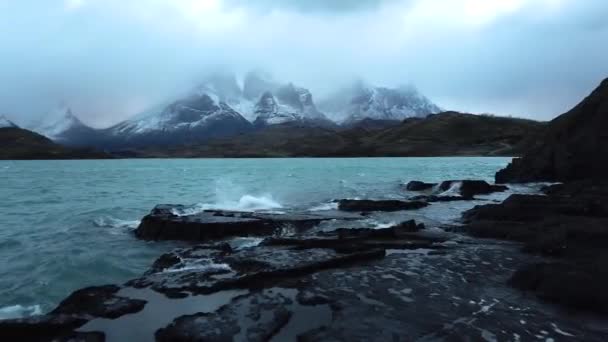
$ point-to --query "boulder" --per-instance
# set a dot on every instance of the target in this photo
(470, 188)
(380, 205)
(419, 186)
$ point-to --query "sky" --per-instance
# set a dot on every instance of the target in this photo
(111, 59)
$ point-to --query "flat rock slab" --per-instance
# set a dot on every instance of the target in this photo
(379, 205)
(202, 271)
(166, 222)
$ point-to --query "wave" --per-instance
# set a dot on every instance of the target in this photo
(19, 311)
(111, 222)
(245, 203)
(325, 206)
(454, 190)
(245, 242)
(199, 265)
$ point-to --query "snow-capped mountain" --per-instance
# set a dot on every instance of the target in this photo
(6, 123)
(195, 118)
(288, 104)
(362, 101)
(61, 125)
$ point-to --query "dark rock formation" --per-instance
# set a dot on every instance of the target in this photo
(165, 223)
(419, 186)
(470, 188)
(381, 205)
(573, 148)
(570, 284)
(73, 312)
(570, 223)
(98, 301)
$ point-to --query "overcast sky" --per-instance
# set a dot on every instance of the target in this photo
(113, 58)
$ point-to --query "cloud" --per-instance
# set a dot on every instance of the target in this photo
(113, 58)
(316, 6)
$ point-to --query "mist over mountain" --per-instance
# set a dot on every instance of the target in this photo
(219, 106)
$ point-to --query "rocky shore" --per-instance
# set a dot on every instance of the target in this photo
(298, 282)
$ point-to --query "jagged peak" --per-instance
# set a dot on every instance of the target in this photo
(6, 123)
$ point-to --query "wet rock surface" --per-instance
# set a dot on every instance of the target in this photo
(419, 186)
(470, 188)
(380, 205)
(75, 311)
(569, 223)
(174, 222)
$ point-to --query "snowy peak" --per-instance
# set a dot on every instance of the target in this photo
(362, 101)
(269, 112)
(291, 103)
(6, 123)
(58, 123)
(193, 111)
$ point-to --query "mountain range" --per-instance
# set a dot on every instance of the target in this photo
(19, 143)
(219, 107)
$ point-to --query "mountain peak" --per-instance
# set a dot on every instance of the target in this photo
(362, 100)
(59, 121)
(6, 123)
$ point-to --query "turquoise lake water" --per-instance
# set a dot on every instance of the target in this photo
(68, 224)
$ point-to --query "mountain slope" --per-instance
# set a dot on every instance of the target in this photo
(575, 146)
(62, 126)
(443, 134)
(362, 101)
(17, 143)
(194, 119)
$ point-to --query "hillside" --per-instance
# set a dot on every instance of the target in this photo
(17, 143)
(445, 134)
(574, 146)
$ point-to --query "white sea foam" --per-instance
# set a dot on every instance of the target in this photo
(245, 203)
(245, 242)
(116, 225)
(454, 190)
(199, 265)
(383, 225)
(19, 311)
(325, 206)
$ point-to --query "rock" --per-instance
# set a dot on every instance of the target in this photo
(213, 270)
(39, 328)
(419, 186)
(568, 223)
(98, 301)
(164, 223)
(382, 205)
(573, 147)
(73, 312)
(575, 285)
(256, 318)
(470, 188)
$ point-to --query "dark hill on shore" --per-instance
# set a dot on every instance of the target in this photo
(574, 146)
(445, 134)
(18, 143)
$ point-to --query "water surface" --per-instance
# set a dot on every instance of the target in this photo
(68, 224)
